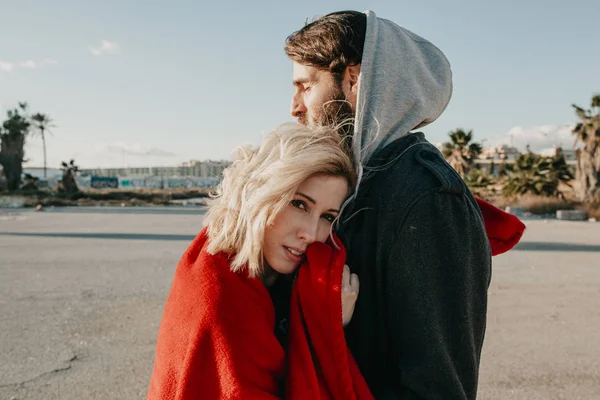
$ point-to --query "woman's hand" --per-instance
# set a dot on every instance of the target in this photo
(350, 286)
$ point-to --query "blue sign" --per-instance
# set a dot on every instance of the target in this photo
(100, 182)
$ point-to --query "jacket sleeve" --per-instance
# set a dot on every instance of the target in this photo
(437, 275)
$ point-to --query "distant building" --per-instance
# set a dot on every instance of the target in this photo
(568, 154)
(197, 169)
(38, 172)
(493, 160)
(191, 174)
(502, 152)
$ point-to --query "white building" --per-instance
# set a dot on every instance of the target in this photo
(199, 169)
(188, 175)
(568, 154)
(502, 152)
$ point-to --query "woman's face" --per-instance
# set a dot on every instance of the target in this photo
(306, 219)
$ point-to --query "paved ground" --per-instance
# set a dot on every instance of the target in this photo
(82, 291)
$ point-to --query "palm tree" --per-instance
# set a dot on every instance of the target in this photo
(587, 131)
(42, 122)
(538, 175)
(31, 182)
(479, 182)
(460, 152)
(68, 183)
(13, 133)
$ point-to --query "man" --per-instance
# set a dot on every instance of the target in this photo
(414, 233)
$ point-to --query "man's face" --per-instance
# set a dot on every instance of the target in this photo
(319, 99)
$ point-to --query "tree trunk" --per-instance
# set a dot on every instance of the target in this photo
(587, 173)
(69, 184)
(11, 158)
(44, 145)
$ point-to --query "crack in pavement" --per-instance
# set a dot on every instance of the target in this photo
(54, 371)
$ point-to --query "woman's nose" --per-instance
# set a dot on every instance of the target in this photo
(308, 231)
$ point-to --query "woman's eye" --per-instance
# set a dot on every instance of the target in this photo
(329, 218)
(298, 204)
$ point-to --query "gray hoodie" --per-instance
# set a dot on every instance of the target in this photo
(405, 84)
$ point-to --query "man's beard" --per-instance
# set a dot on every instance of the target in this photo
(336, 113)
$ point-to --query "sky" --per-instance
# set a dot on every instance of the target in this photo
(131, 83)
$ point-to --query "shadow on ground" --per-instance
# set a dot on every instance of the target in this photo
(550, 246)
(523, 246)
(120, 236)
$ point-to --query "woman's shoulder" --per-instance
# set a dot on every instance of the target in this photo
(199, 267)
(207, 278)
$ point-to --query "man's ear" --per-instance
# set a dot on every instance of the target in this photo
(352, 74)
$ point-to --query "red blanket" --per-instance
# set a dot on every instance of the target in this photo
(216, 338)
(217, 341)
(503, 230)
(320, 365)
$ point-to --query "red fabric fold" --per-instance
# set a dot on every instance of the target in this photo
(320, 365)
(504, 230)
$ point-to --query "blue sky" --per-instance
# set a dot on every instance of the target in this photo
(167, 82)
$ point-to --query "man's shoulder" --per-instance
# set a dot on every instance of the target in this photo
(411, 167)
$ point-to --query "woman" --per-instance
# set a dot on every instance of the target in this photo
(217, 338)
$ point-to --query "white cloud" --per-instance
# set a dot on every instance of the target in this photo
(136, 149)
(49, 61)
(106, 47)
(115, 154)
(6, 66)
(29, 64)
(537, 137)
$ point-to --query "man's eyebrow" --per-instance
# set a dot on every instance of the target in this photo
(300, 81)
(314, 202)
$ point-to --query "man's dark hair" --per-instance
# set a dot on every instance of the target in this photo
(332, 42)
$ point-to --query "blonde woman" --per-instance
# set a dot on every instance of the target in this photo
(221, 335)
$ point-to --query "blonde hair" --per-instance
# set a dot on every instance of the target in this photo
(261, 182)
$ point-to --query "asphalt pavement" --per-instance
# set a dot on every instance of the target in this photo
(82, 292)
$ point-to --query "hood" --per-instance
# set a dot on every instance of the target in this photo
(405, 83)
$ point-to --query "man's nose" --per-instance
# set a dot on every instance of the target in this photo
(297, 108)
